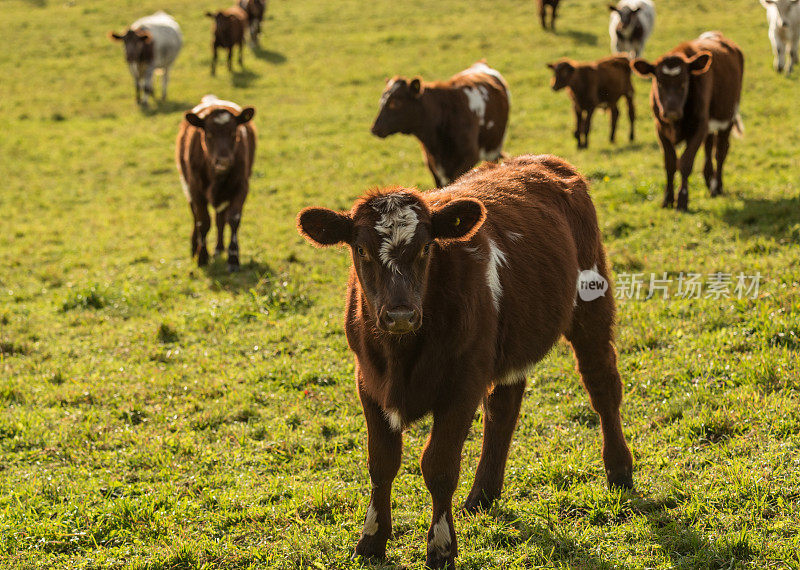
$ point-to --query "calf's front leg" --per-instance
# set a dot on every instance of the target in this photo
(670, 164)
(686, 166)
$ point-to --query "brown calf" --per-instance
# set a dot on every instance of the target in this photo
(695, 98)
(229, 29)
(453, 296)
(542, 12)
(595, 84)
(255, 15)
(215, 151)
(459, 121)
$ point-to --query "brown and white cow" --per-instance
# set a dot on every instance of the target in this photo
(453, 296)
(459, 121)
(255, 15)
(543, 12)
(229, 30)
(595, 84)
(695, 99)
(215, 150)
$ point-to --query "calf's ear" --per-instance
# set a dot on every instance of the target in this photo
(458, 220)
(643, 68)
(194, 120)
(612, 8)
(700, 63)
(766, 3)
(114, 36)
(551, 65)
(246, 114)
(416, 87)
(322, 226)
(210, 15)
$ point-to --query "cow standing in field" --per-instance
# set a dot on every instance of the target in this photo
(255, 15)
(215, 151)
(630, 24)
(453, 296)
(595, 84)
(459, 121)
(151, 43)
(695, 99)
(230, 26)
(543, 12)
(784, 31)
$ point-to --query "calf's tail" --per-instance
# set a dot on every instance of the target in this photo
(738, 126)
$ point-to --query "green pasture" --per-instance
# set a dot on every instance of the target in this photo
(156, 415)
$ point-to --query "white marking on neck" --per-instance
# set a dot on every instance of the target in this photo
(514, 236)
(441, 537)
(666, 70)
(393, 417)
(397, 226)
(496, 259)
(370, 521)
(476, 99)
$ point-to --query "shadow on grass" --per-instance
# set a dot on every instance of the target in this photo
(760, 217)
(165, 107)
(580, 36)
(248, 277)
(268, 55)
(243, 78)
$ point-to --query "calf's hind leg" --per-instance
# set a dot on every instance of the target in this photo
(591, 338)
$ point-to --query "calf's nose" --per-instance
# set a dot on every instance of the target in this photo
(401, 319)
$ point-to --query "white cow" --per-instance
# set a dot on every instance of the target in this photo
(630, 25)
(151, 43)
(784, 31)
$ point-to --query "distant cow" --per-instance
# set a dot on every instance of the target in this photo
(630, 25)
(459, 121)
(595, 84)
(229, 30)
(784, 31)
(215, 151)
(453, 296)
(151, 43)
(255, 15)
(542, 12)
(695, 98)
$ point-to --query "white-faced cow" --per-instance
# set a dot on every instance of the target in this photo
(230, 26)
(695, 99)
(255, 15)
(215, 151)
(630, 24)
(783, 17)
(459, 121)
(151, 43)
(453, 296)
(595, 84)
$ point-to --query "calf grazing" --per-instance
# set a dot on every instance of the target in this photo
(151, 43)
(695, 98)
(229, 29)
(784, 31)
(459, 121)
(453, 296)
(630, 24)
(542, 12)
(255, 15)
(595, 84)
(215, 151)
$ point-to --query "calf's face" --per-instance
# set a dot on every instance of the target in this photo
(671, 75)
(628, 18)
(138, 45)
(392, 237)
(562, 74)
(400, 107)
(221, 134)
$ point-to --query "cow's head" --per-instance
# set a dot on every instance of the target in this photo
(138, 45)
(562, 73)
(393, 235)
(400, 107)
(785, 8)
(627, 17)
(221, 134)
(671, 75)
(224, 24)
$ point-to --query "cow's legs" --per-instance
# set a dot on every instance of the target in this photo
(501, 410)
(220, 218)
(590, 335)
(723, 143)
(670, 162)
(578, 124)
(587, 125)
(686, 166)
(543, 15)
(214, 59)
(553, 9)
(384, 446)
(234, 219)
(241, 54)
(202, 223)
(230, 58)
(708, 167)
(631, 113)
(614, 116)
(441, 463)
(148, 83)
(780, 56)
(164, 82)
(793, 57)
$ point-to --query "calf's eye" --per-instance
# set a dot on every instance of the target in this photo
(361, 251)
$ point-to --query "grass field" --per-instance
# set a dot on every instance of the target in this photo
(153, 415)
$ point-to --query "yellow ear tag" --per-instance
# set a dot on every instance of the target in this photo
(457, 221)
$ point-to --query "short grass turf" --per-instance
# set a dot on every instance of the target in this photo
(153, 415)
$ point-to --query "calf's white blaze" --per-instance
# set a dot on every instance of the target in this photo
(666, 70)
(212, 100)
(397, 225)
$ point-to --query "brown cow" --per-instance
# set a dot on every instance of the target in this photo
(595, 84)
(453, 296)
(229, 30)
(255, 15)
(215, 151)
(695, 98)
(459, 121)
(542, 12)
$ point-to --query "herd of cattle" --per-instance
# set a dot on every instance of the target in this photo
(454, 294)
